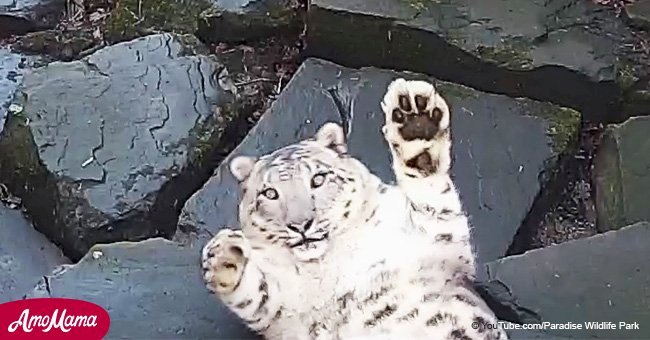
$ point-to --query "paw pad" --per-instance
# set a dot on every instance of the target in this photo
(418, 110)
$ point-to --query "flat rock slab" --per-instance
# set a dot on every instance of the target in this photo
(639, 13)
(22, 16)
(622, 174)
(603, 278)
(248, 20)
(108, 148)
(496, 173)
(571, 52)
(25, 255)
(10, 77)
(151, 290)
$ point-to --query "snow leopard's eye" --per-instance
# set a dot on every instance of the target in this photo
(318, 180)
(271, 194)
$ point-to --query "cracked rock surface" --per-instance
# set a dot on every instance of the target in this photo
(22, 16)
(151, 290)
(25, 255)
(622, 174)
(496, 173)
(600, 278)
(571, 52)
(108, 148)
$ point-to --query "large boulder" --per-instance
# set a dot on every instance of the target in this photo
(151, 290)
(497, 174)
(249, 20)
(572, 52)
(25, 255)
(22, 16)
(601, 279)
(621, 174)
(108, 148)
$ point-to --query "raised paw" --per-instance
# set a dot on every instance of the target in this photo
(223, 260)
(417, 126)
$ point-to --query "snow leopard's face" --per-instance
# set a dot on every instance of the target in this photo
(299, 196)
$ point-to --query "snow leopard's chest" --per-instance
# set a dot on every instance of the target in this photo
(388, 242)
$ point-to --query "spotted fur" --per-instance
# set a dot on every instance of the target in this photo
(328, 251)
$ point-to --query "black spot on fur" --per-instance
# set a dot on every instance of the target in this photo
(244, 304)
(263, 286)
(277, 316)
(459, 334)
(410, 315)
(440, 317)
(374, 296)
(381, 314)
(346, 214)
(481, 324)
(229, 265)
(315, 328)
(423, 163)
(383, 189)
(447, 189)
(348, 203)
(372, 215)
(444, 238)
(465, 299)
(270, 237)
(446, 211)
(344, 300)
(210, 254)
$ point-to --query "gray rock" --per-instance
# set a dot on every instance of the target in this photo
(621, 174)
(25, 255)
(597, 279)
(496, 173)
(572, 52)
(151, 290)
(248, 20)
(10, 78)
(108, 148)
(639, 13)
(22, 16)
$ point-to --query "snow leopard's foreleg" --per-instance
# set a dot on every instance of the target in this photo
(418, 133)
(231, 272)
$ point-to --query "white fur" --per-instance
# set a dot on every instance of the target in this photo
(387, 243)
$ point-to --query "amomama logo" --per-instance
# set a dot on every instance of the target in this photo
(53, 318)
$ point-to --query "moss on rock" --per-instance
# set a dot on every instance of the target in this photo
(133, 18)
(564, 127)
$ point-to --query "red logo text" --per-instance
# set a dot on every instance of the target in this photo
(53, 318)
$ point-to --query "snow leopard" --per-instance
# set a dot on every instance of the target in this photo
(326, 250)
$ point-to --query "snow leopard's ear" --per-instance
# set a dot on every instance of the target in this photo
(331, 135)
(241, 167)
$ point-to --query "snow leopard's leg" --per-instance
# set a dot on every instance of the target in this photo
(233, 275)
(418, 133)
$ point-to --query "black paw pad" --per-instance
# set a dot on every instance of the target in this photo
(421, 102)
(422, 126)
(404, 103)
(423, 163)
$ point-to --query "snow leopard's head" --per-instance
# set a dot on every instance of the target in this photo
(300, 196)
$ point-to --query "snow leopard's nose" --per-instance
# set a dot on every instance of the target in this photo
(301, 228)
